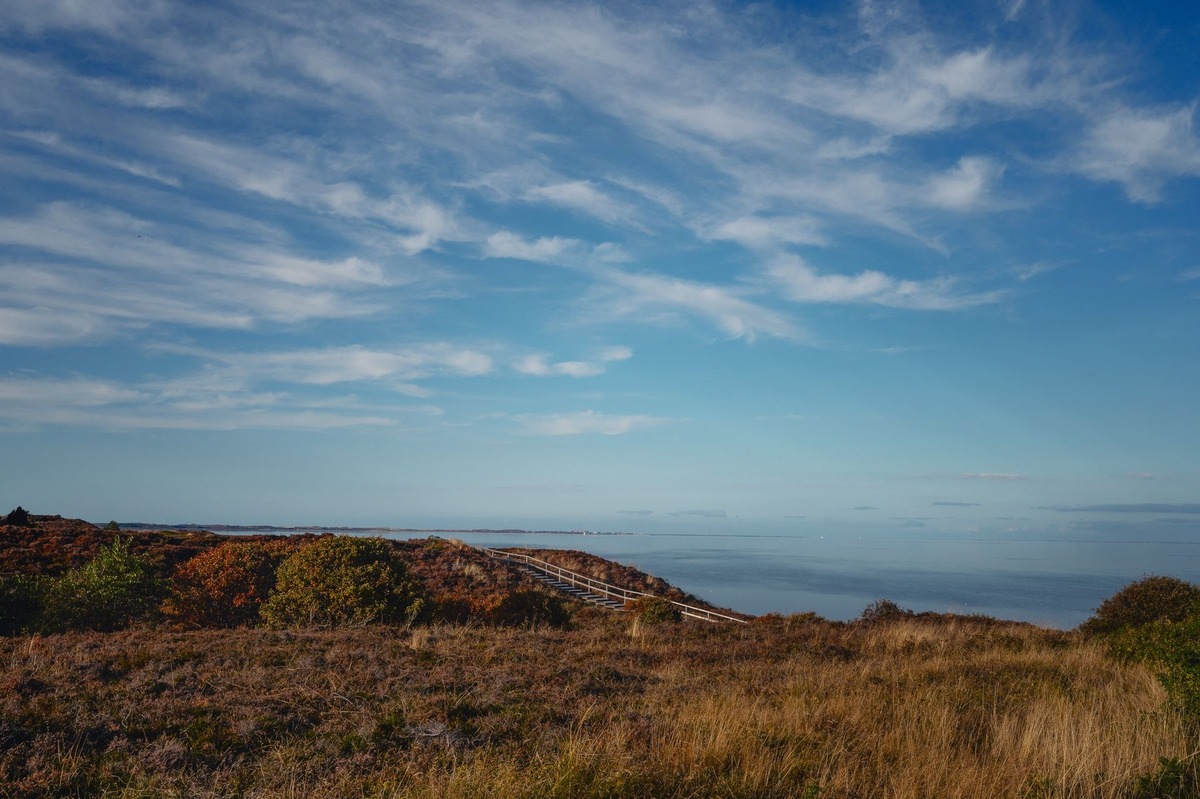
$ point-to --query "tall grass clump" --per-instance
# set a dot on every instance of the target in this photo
(338, 580)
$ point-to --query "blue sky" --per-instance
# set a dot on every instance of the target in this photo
(622, 266)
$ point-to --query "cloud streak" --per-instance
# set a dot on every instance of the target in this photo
(587, 422)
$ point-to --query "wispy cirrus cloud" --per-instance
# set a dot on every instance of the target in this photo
(802, 283)
(34, 400)
(770, 144)
(587, 422)
(583, 196)
(731, 309)
(348, 364)
(105, 271)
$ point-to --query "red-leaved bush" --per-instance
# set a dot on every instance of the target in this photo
(225, 586)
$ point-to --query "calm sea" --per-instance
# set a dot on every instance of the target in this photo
(1054, 582)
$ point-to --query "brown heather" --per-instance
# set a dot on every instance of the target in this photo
(783, 707)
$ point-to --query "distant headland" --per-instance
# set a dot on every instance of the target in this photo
(270, 528)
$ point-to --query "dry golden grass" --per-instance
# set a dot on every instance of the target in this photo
(928, 710)
(908, 709)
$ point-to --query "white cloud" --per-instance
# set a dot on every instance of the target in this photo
(54, 143)
(915, 89)
(1027, 272)
(77, 392)
(312, 272)
(587, 423)
(1141, 149)
(617, 353)
(547, 249)
(759, 232)
(102, 15)
(801, 283)
(582, 195)
(541, 366)
(638, 294)
(420, 223)
(965, 186)
(39, 400)
(347, 364)
(105, 271)
(42, 327)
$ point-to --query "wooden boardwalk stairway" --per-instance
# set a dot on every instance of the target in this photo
(588, 589)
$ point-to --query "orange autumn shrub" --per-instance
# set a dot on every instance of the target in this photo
(226, 586)
(530, 608)
(521, 607)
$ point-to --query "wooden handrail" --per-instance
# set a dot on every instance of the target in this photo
(602, 588)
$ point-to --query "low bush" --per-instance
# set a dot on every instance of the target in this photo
(19, 517)
(20, 602)
(1148, 600)
(226, 586)
(884, 610)
(109, 592)
(1172, 649)
(530, 608)
(653, 610)
(339, 580)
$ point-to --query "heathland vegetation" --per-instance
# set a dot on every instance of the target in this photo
(166, 664)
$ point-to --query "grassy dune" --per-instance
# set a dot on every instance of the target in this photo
(610, 708)
(478, 690)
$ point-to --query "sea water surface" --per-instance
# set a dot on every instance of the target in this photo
(1053, 581)
(1052, 578)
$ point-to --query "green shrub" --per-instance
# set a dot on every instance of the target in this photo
(226, 586)
(653, 610)
(338, 580)
(1175, 779)
(21, 598)
(884, 610)
(1146, 601)
(1172, 649)
(109, 592)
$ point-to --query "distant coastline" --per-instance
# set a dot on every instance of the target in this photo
(270, 528)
